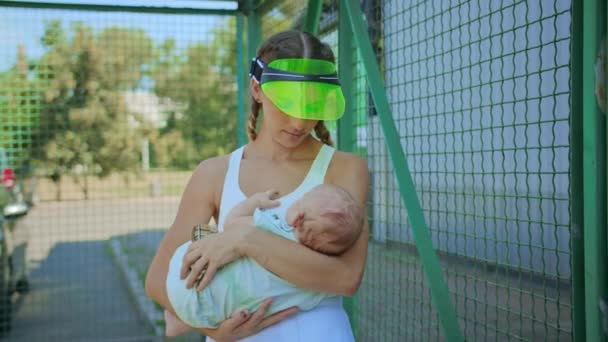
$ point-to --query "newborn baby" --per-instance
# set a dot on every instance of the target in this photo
(327, 219)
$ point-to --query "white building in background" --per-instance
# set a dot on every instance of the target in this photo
(150, 107)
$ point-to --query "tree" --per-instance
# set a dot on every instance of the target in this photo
(204, 81)
(85, 122)
(19, 112)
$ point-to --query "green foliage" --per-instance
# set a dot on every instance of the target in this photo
(67, 110)
(84, 80)
(20, 103)
(203, 80)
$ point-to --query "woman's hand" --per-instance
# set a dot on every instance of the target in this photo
(204, 257)
(242, 323)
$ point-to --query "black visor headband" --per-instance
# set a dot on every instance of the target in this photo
(263, 73)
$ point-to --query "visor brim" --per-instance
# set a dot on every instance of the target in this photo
(306, 100)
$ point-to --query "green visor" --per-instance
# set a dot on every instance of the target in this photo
(303, 88)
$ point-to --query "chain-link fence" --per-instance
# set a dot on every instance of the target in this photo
(109, 111)
(479, 92)
(100, 104)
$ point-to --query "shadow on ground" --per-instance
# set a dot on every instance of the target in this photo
(76, 294)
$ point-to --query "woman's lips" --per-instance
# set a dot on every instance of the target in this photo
(295, 134)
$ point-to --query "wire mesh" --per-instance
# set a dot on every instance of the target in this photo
(106, 114)
(479, 92)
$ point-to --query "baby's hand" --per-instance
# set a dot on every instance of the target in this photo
(266, 199)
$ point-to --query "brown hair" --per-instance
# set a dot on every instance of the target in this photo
(291, 44)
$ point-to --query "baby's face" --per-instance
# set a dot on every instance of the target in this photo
(312, 228)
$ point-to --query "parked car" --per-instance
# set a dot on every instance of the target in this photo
(13, 240)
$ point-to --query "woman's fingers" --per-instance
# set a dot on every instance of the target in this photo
(228, 329)
(190, 257)
(237, 319)
(196, 270)
(277, 317)
(257, 322)
(258, 315)
(208, 274)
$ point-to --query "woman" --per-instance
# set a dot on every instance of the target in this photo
(283, 156)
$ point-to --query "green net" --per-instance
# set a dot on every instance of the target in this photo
(122, 105)
(479, 93)
(104, 114)
(116, 93)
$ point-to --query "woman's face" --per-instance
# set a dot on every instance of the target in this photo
(286, 130)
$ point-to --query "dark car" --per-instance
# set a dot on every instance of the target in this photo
(13, 240)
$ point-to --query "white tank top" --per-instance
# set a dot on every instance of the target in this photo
(232, 193)
(328, 321)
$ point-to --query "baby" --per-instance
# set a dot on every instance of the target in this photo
(327, 219)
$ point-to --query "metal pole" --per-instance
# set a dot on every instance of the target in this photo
(117, 8)
(577, 219)
(254, 35)
(241, 136)
(345, 126)
(594, 180)
(313, 15)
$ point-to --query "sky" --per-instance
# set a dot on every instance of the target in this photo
(26, 25)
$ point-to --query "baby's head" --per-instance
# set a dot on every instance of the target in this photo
(327, 219)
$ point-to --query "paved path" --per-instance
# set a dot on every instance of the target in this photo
(77, 293)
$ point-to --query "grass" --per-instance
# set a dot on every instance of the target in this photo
(171, 183)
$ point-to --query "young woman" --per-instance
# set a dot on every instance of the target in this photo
(295, 86)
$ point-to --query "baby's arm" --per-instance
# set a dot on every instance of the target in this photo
(247, 207)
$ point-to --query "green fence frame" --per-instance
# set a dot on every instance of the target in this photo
(588, 144)
(594, 173)
(576, 182)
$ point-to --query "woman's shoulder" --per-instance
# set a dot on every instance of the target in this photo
(347, 168)
(212, 170)
(213, 167)
(343, 161)
(208, 177)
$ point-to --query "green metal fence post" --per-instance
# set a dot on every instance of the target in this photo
(254, 36)
(576, 176)
(345, 126)
(345, 55)
(313, 15)
(430, 262)
(594, 170)
(254, 27)
(241, 136)
(57, 5)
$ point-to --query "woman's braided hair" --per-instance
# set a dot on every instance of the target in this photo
(291, 44)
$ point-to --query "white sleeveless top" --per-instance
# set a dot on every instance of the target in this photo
(328, 321)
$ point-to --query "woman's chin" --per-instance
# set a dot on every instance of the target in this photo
(290, 141)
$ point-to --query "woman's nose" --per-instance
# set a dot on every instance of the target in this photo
(299, 124)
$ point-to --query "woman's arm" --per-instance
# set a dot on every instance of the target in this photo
(198, 205)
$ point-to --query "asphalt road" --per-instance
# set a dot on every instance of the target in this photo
(76, 291)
